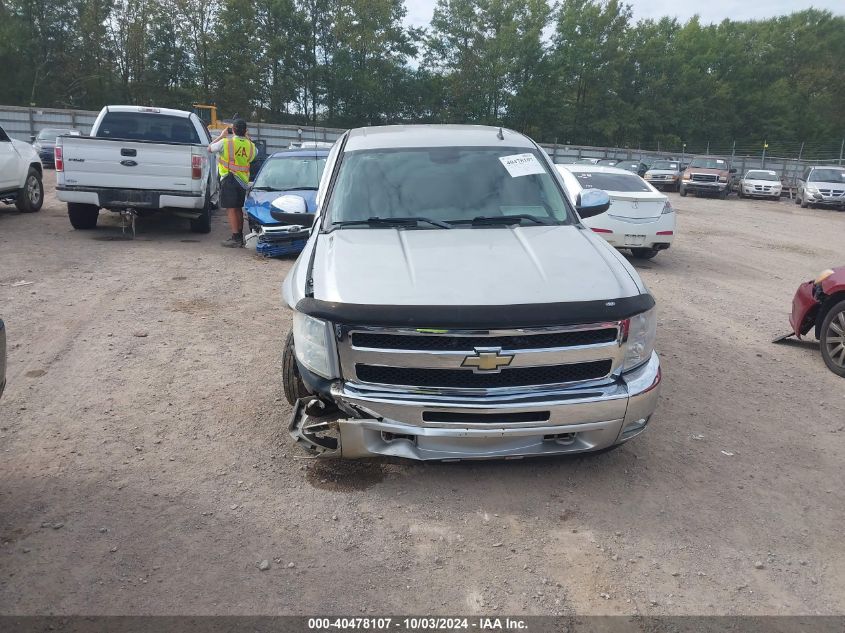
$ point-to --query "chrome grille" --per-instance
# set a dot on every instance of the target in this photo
(704, 177)
(532, 359)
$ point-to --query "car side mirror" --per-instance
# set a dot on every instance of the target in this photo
(291, 209)
(592, 202)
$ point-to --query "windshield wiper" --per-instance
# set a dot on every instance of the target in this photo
(502, 219)
(298, 189)
(408, 221)
(254, 188)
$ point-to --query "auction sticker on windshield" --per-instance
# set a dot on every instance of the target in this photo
(522, 165)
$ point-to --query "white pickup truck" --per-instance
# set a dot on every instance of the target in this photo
(138, 161)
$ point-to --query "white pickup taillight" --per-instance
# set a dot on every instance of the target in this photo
(60, 162)
(196, 167)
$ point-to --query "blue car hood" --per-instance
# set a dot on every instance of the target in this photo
(258, 203)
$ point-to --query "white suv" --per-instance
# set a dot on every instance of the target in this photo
(20, 175)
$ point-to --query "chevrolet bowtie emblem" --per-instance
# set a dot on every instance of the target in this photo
(487, 360)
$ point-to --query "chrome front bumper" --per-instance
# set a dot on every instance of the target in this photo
(574, 420)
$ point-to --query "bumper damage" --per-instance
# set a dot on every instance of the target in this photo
(427, 427)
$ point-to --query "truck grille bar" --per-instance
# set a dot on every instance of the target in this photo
(478, 362)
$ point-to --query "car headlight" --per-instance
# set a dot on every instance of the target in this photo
(822, 276)
(811, 189)
(642, 330)
(312, 339)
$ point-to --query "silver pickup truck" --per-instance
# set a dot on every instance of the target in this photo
(450, 304)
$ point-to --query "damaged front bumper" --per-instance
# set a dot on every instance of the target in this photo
(434, 427)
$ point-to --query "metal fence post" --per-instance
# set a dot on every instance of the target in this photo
(841, 147)
(31, 125)
(733, 151)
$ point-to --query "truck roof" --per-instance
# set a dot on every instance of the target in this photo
(147, 109)
(398, 136)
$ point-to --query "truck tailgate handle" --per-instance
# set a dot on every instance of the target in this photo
(128, 152)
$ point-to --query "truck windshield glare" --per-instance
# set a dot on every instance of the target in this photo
(445, 184)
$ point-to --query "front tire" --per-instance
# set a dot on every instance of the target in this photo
(682, 190)
(723, 195)
(291, 380)
(83, 217)
(31, 195)
(803, 202)
(833, 339)
(644, 253)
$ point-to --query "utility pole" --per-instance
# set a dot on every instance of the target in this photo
(733, 151)
(708, 147)
(684, 153)
(763, 162)
(841, 147)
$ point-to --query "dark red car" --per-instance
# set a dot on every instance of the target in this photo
(820, 305)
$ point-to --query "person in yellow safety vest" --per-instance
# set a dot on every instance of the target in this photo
(235, 151)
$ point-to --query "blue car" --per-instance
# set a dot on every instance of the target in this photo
(290, 172)
(45, 144)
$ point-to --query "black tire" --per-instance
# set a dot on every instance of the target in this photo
(723, 195)
(203, 223)
(83, 217)
(682, 190)
(644, 253)
(291, 380)
(31, 196)
(803, 202)
(740, 194)
(796, 200)
(831, 353)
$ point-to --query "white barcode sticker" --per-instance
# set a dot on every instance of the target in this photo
(522, 165)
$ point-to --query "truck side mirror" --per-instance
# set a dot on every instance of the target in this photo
(592, 202)
(732, 170)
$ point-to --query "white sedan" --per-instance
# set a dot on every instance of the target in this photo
(760, 183)
(640, 218)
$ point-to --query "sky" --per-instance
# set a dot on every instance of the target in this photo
(420, 11)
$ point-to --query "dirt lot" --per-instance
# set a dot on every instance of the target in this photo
(146, 468)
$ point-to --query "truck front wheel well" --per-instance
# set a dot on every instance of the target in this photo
(829, 302)
(37, 167)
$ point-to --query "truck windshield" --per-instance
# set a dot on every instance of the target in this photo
(827, 175)
(290, 172)
(446, 184)
(611, 182)
(148, 126)
(709, 163)
(664, 164)
(761, 175)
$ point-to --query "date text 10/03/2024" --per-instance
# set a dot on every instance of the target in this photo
(418, 624)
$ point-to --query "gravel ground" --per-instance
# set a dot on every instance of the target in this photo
(146, 467)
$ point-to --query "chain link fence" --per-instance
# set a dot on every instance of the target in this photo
(787, 159)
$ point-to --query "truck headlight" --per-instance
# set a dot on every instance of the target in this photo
(312, 340)
(648, 174)
(642, 330)
(723, 179)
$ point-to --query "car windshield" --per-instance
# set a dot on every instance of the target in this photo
(761, 175)
(50, 134)
(827, 175)
(611, 182)
(447, 184)
(608, 161)
(709, 163)
(628, 166)
(285, 173)
(664, 164)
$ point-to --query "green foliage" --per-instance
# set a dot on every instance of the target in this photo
(581, 71)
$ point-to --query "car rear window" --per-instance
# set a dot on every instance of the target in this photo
(827, 175)
(147, 126)
(611, 182)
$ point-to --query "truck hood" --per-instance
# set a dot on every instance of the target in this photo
(467, 266)
(706, 170)
(663, 172)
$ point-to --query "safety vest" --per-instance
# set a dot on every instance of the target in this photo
(238, 152)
